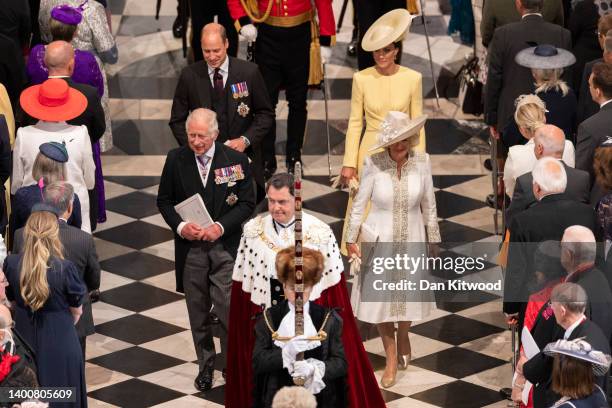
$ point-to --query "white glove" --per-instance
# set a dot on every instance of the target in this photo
(293, 347)
(326, 53)
(249, 32)
(302, 369)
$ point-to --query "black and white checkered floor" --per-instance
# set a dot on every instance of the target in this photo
(142, 354)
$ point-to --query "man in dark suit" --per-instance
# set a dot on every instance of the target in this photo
(593, 131)
(587, 107)
(496, 13)
(549, 141)
(506, 79)
(15, 22)
(569, 303)
(79, 248)
(59, 60)
(546, 220)
(204, 255)
(235, 90)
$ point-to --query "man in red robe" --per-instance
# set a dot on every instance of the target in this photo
(255, 287)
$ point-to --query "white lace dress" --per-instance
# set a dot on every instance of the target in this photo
(401, 211)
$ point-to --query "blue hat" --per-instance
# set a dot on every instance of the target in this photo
(55, 151)
(38, 207)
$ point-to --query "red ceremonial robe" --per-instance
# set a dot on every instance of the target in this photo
(363, 391)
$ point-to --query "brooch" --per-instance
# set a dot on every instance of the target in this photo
(243, 109)
(231, 199)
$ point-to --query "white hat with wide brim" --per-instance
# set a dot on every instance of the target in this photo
(396, 127)
(545, 56)
(389, 28)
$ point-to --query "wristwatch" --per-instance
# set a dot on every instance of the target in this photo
(246, 141)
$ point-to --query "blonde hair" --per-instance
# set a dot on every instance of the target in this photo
(530, 113)
(48, 169)
(41, 236)
(294, 397)
(549, 79)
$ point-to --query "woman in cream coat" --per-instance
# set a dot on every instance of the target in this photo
(385, 87)
(397, 185)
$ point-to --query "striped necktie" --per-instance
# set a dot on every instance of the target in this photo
(203, 160)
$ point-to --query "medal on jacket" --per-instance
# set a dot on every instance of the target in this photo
(243, 109)
(235, 92)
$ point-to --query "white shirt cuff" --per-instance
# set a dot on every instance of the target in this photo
(180, 228)
(220, 226)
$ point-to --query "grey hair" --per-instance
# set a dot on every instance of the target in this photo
(550, 175)
(294, 397)
(571, 296)
(549, 79)
(580, 241)
(59, 195)
(203, 115)
(553, 146)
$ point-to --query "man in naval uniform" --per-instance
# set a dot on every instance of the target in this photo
(255, 285)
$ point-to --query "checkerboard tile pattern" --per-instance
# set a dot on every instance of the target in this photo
(142, 353)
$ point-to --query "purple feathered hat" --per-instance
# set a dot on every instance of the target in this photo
(67, 14)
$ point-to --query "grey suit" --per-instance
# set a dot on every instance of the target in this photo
(506, 79)
(591, 133)
(79, 248)
(578, 188)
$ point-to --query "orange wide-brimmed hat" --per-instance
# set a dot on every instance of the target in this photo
(53, 100)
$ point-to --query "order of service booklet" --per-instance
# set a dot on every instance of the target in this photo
(194, 210)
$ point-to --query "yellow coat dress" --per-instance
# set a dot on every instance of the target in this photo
(373, 96)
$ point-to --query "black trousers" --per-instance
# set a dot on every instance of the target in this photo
(283, 56)
(368, 12)
(204, 12)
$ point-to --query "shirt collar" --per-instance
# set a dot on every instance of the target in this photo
(570, 329)
(210, 153)
(531, 14)
(605, 103)
(224, 68)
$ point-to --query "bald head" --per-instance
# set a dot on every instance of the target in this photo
(214, 29)
(577, 247)
(59, 58)
(549, 141)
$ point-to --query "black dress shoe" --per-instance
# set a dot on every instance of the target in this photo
(204, 380)
(177, 27)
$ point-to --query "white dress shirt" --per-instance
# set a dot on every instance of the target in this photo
(605, 103)
(570, 329)
(223, 70)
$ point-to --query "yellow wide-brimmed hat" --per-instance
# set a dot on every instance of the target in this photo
(389, 28)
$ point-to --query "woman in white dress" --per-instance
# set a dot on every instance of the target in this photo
(530, 115)
(53, 102)
(398, 186)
